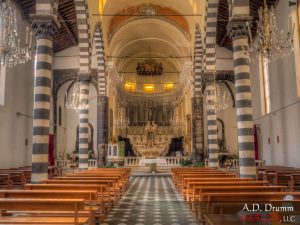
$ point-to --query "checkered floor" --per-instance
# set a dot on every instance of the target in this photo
(150, 201)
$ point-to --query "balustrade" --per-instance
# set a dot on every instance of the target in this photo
(169, 161)
(92, 163)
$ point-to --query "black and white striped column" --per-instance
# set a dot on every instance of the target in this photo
(212, 131)
(102, 108)
(210, 70)
(239, 31)
(198, 139)
(84, 124)
(83, 36)
(211, 34)
(84, 77)
(45, 28)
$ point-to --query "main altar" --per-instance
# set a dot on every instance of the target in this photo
(151, 142)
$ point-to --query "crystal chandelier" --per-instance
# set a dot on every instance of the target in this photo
(73, 100)
(10, 51)
(221, 99)
(269, 42)
(149, 67)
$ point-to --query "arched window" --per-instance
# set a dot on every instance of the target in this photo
(2, 84)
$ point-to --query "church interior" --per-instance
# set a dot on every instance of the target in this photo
(148, 112)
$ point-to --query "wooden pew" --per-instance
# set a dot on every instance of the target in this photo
(5, 181)
(13, 211)
(178, 178)
(90, 197)
(123, 179)
(294, 183)
(18, 177)
(183, 188)
(120, 184)
(112, 190)
(193, 186)
(184, 177)
(102, 190)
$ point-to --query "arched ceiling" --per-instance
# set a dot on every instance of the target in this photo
(135, 38)
(68, 35)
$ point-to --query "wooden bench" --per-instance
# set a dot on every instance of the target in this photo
(18, 177)
(183, 188)
(91, 199)
(5, 181)
(232, 202)
(103, 195)
(193, 186)
(122, 178)
(116, 179)
(183, 177)
(24, 211)
(112, 191)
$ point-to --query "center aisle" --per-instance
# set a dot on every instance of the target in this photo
(150, 201)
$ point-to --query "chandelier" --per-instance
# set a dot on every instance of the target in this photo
(73, 99)
(221, 101)
(10, 51)
(269, 42)
(149, 67)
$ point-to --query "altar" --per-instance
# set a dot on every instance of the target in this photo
(151, 142)
(158, 161)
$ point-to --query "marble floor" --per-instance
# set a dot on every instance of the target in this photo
(150, 201)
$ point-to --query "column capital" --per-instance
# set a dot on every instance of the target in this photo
(239, 27)
(44, 26)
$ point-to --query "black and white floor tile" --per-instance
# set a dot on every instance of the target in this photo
(150, 201)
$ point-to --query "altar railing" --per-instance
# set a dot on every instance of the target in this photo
(169, 161)
(92, 163)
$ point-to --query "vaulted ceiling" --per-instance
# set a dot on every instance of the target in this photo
(68, 33)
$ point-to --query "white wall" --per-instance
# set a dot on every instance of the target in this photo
(228, 116)
(18, 98)
(284, 119)
(66, 59)
(66, 133)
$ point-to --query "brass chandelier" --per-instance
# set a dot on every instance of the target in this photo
(269, 42)
(149, 67)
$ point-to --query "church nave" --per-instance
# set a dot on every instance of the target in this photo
(150, 200)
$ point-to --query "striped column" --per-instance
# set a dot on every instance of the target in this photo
(45, 28)
(239, 31)
(211, 34)
(83, 36)
(210, 70)
(212, 132)
(198, 144)
(84, 76)
(84, 125)
(102, 109)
